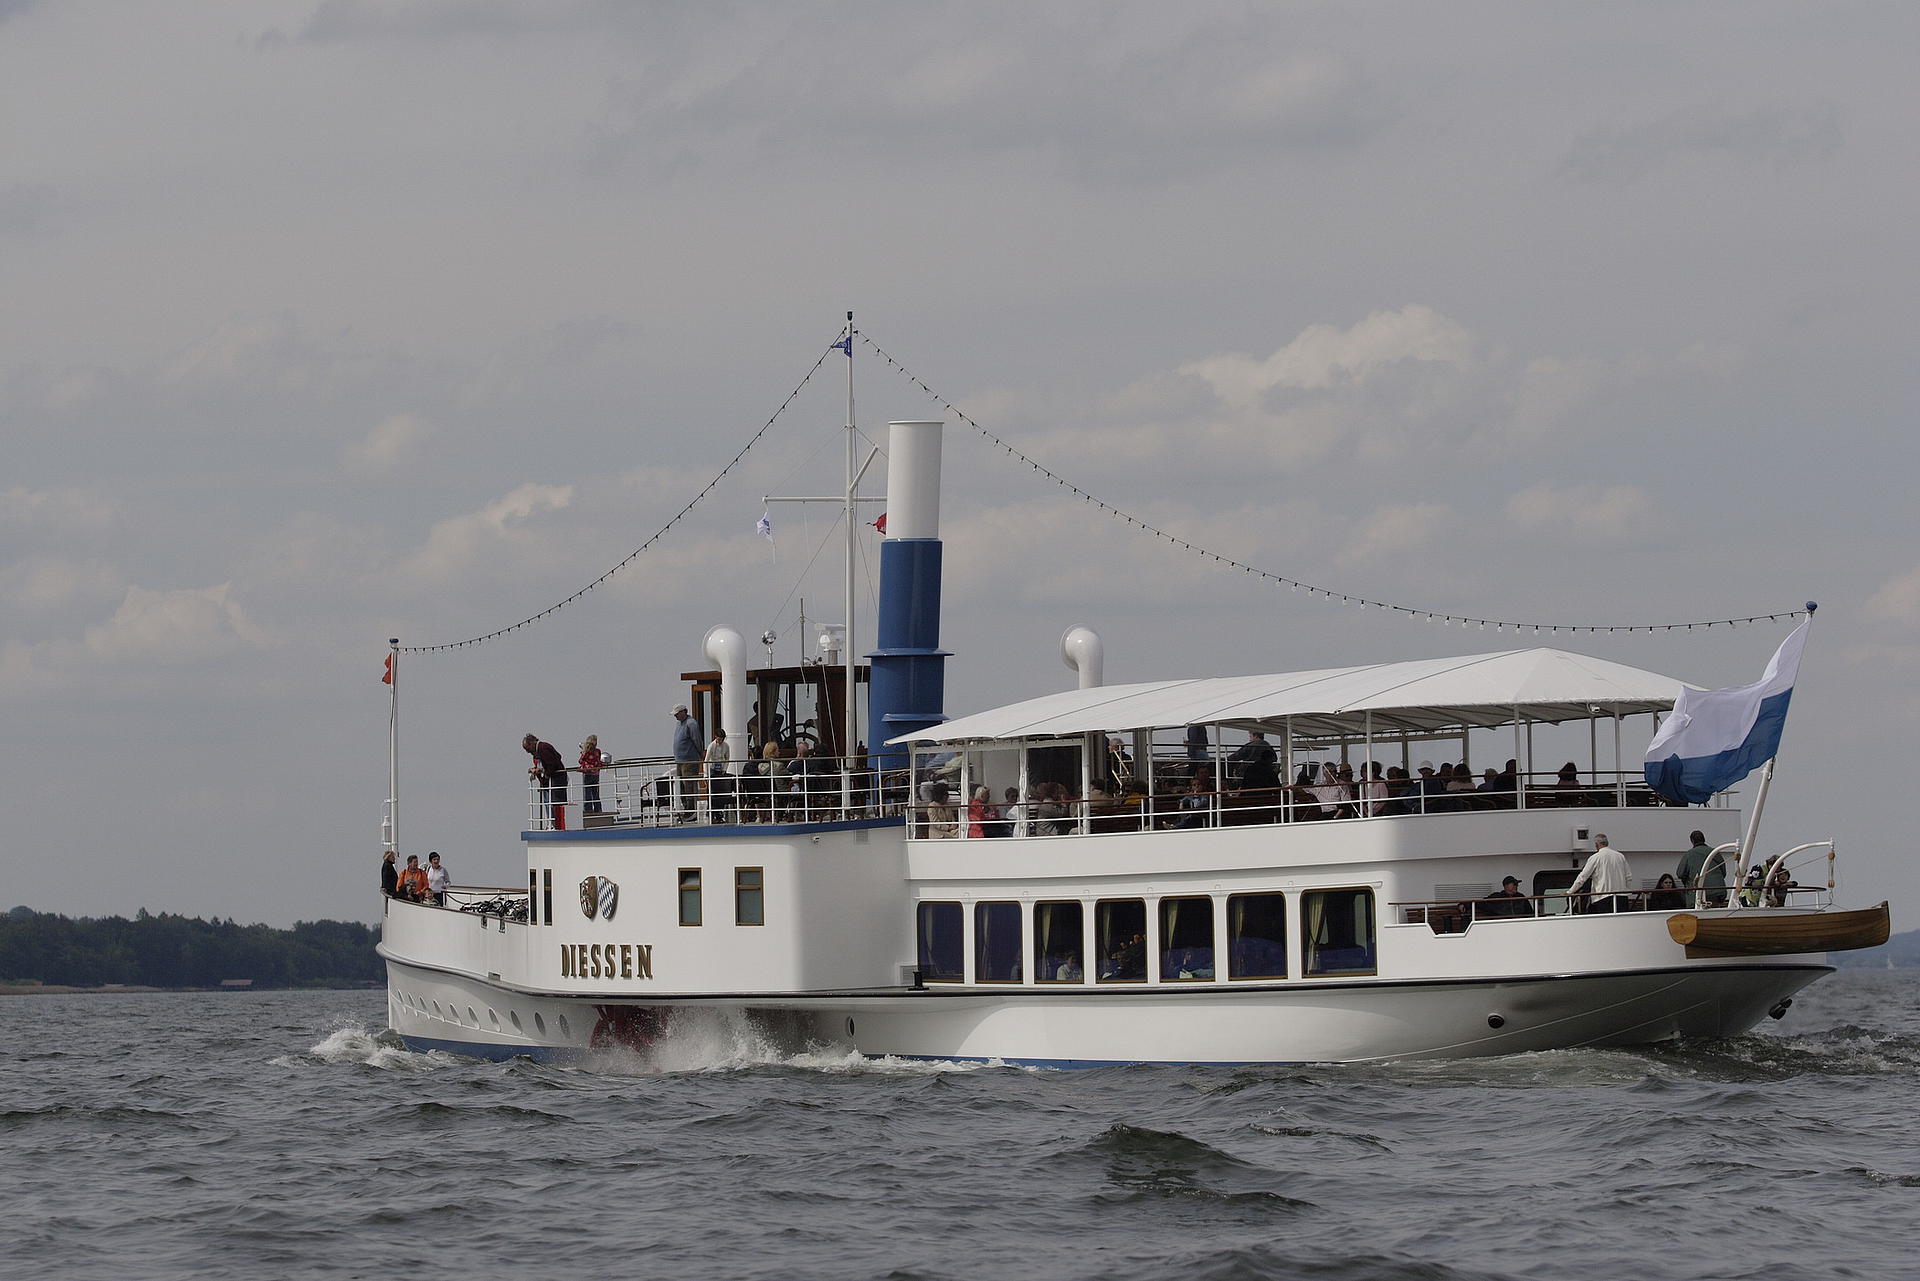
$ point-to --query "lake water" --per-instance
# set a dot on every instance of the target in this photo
(280, 1135)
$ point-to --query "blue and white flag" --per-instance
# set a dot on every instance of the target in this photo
(765, 526)
(1716, 737)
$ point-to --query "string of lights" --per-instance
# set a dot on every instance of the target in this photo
(837, 345)
(1294, 584)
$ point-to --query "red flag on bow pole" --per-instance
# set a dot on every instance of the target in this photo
(386, 677)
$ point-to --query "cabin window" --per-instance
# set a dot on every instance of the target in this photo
(1186, 939)
(1337, 930)
(533, 895)
(1257, 936)
(749, 896)
(689, 896)
(941, 947)
(1059, 935)
(1120, 926)
(546, 896)
(996, 943)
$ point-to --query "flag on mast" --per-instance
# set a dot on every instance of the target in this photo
(765, 526)
(1716, 737)
(386, 677)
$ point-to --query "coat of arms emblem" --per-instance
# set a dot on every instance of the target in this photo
(599, 897)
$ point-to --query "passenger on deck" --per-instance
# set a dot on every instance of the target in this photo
(1328, 791)
(1254, 762)
(1568, 785)
(1509, 780)
(1199, 748)
(1431, 792)
(549, 772)
(1194, 805)
(1606, 877)
(1460, 782)
(413, 881)
(1119, 763)
(389, 875)
(1013, 814)
(1695, 873)
(719, 775)
(1504, 902)
(1051, 814)
(770, 789)
(688, 752)
(1778, 884)
(592, 759)
(983, 819)
(437, 878)
(942, 823)
(1373, 793)
(1666, 896)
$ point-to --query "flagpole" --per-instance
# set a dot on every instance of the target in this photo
(847, 739)
(1760, 799)
(393, 743)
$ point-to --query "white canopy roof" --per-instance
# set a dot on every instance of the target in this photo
(1435, 694)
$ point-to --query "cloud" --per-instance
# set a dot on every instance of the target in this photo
(1767, 135)
(1613, 514)
(172, 626)
(1324, 356)
(1232, 88)
(391, 445)
(507, 524)
(41, 587)
(60, 512)
(1897, 600)
(1410, 529)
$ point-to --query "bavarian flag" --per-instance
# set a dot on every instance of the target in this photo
(1716, 737)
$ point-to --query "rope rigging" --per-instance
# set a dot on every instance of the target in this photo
(844, 343)
(1425, 615)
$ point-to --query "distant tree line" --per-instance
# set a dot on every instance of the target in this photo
(179, 951)
(1902, 951)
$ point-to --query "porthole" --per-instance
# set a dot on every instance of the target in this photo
(539, 1023)
(566, 1030)
(494, 1020)
(473, 1020)
(849, 1027)
(515, 1016)
(436, 1009)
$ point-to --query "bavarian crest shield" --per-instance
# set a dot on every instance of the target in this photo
(599, 897)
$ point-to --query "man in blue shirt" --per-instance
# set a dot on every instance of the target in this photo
(689, 751)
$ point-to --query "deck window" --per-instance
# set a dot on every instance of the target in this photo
(1120, 926)
(941, 947)
(1059, 936)
(689, 896)
(1337, 930)
(996, 943)
(749, 896)
(1186, 939)
(1257, 936)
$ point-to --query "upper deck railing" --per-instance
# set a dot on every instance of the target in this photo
(661, 792)
(1049, 809)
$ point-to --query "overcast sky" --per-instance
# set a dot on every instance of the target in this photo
(328, 322)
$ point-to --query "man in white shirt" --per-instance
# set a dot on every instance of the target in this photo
(1606, 876)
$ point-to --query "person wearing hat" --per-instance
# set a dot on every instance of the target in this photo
(1431, 790)
(1505, 901)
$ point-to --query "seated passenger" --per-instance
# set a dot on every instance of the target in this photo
(1504, 902)
(982, 818)
(1567, 785)
(1129, 962)
(1373, 793)
(1778, 884)
(1667, 896)
(1195, 806)
(942, 823)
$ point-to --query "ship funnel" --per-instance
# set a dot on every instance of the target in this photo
(908, 690)
(1081, 650)
(726, 649)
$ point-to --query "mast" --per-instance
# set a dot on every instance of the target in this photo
(850, 649)
(393, 744)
